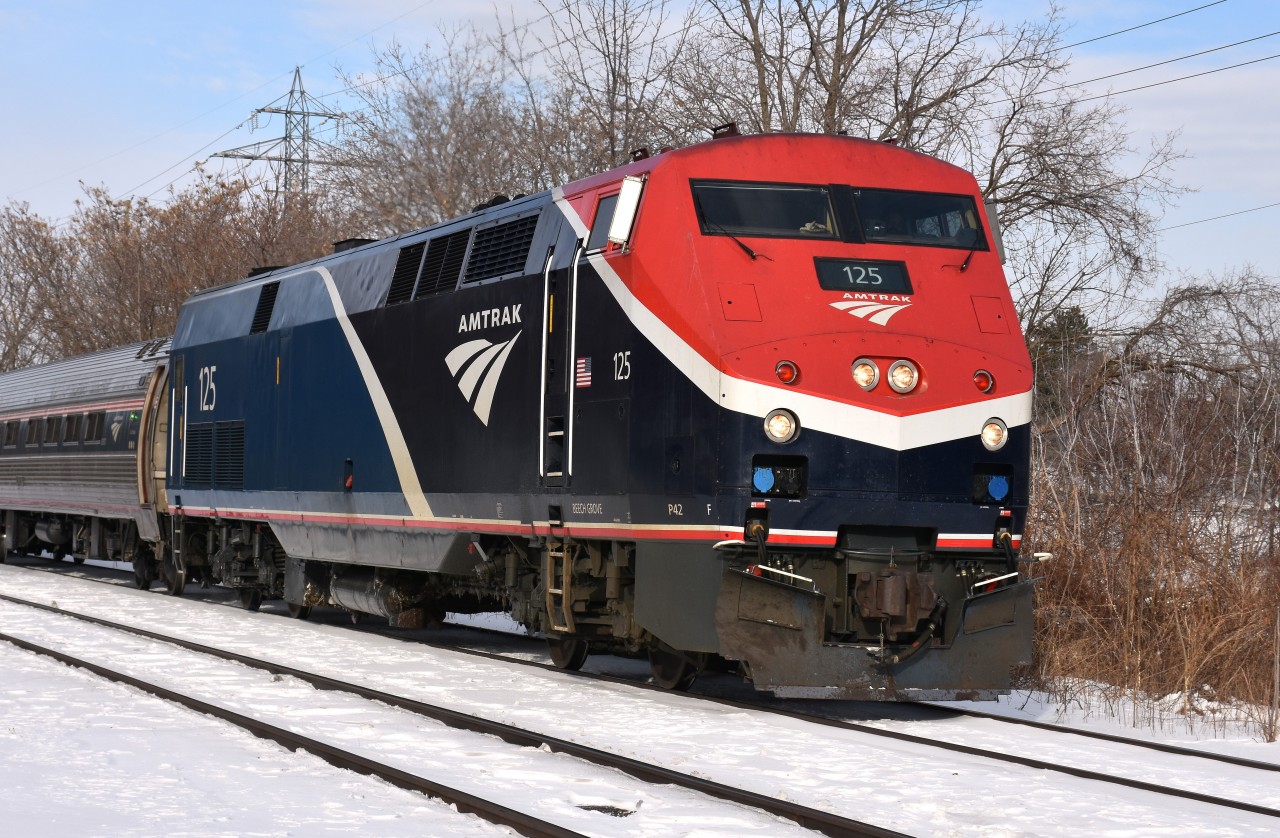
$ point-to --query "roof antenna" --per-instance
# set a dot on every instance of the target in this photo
(729, 129)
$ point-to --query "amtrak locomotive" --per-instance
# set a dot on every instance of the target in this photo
(761, 401)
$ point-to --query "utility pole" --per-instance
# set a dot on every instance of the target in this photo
(293, 150)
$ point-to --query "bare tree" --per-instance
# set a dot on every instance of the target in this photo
(615, 58)
(438, 135)
(118, 270)
(1159, 496)
(36, 267)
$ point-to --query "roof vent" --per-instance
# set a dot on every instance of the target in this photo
(266, 305)
(351, 244)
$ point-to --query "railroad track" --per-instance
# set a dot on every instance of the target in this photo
(825, 823)
(1158, 787)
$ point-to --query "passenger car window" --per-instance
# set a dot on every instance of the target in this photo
(52, 430)
(93, 425)
(71, 429)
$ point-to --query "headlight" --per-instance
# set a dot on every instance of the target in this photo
(903, 376)
(781, 426)
(865, 373)
(994, 435)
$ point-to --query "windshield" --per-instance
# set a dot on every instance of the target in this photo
(763, 209)
(851, 214)
(919, 218)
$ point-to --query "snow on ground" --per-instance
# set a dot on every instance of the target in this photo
(551, 786)
(896, 785)
(82, 756)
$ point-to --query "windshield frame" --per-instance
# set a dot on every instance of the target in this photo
(952, 241)
(848, 217)
(712, 227)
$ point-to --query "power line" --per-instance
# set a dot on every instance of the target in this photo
(244, 95)
(349, 89)
(1217, 217)
(1140, 26)
(1180, 78)
(1168, 61)
(1076, 84)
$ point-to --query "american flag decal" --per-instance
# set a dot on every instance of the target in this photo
(582, 372)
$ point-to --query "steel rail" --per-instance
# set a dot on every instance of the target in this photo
(826, 823)
(968, 750)
(492, 812)
(1163, 747)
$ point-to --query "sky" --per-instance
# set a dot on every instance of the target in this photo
(127, 95)
(73, 747)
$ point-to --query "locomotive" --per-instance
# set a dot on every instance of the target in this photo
(760, 402)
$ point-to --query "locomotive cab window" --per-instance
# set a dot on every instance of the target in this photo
(764, 209)
(11, 433)
(599, 237)
(919, 218)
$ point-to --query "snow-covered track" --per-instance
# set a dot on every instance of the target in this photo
(490, 811)
(781, 749)
(1162, 747)
(822, 822)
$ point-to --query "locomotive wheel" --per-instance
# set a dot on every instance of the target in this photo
(299, 612)
(250, 599)
(568, 652)
(673, 669)
(175, 578)
(77, 559)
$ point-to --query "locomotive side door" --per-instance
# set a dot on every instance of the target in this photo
(559, 294)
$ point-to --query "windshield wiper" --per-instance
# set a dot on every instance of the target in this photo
(739, 242)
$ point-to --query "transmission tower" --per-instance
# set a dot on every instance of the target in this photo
(293, 150)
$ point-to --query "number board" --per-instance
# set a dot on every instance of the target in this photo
(863, 275)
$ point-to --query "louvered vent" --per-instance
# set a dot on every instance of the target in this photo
(501, 249)
(228, 465)
(266, 305)
(198, 468)
(406, 274)
(443, 263)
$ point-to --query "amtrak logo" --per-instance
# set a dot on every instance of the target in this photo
(476, 367)
(874, 308)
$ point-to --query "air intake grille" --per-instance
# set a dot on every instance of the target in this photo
(406, 274)
(228, 464)
(501, 249)
(198, 468)
(443, 263)
(266, 304)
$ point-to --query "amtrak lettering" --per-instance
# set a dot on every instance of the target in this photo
(879, 298)
(504, 316)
